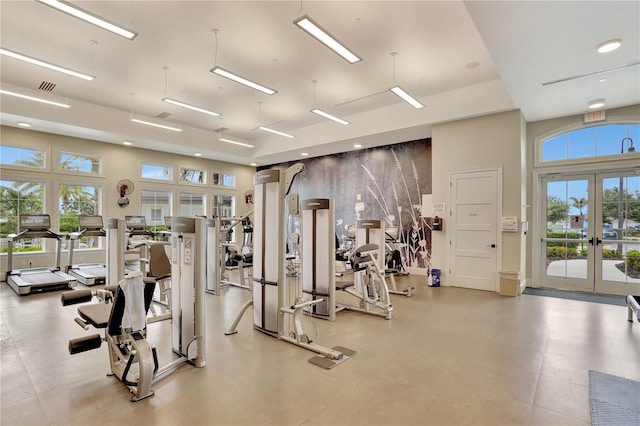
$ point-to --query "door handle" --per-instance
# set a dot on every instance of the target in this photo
(491, 245)
(594, 241)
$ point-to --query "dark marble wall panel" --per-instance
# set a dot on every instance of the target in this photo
(388, 180)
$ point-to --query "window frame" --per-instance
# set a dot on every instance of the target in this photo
(540, 140)
(157, 188)
(60, 153)
(214, 185)
(45, 161)
(44, 181)
(171, 167)
(205, 204)
(205, 175)
(100, 184)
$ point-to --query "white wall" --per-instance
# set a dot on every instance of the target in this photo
(492, 141)
(119, 162)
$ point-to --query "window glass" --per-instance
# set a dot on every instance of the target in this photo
(223, 206)
(74, 200)
(192, 204)
(582, 143)
(80, 163)
(158, 172)
(155, 205)
(14, 156)
(610, 139)
(18, 197)
(222, 179)
(589, 142)
(192, 175)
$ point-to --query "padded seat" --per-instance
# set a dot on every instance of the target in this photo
(96, 314)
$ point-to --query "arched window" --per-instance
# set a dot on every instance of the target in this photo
(589, 142)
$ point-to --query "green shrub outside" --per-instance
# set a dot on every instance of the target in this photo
(633, 260)
(568, 235)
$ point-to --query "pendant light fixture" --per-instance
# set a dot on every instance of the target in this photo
(322, 113)
(399, 91)
(184, 104)
(89, 17)
(146, 122)
(48, 65)
(33, 98)
(235, 77)
(323, 36)
(268, 129)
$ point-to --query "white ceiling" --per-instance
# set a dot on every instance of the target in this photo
(517, 45)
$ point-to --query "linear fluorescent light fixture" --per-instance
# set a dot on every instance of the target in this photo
(44, 64)
(192, 107)
(89, 17)
(32, 98)
(235, 77)
(320, 34)
(329, 116)
(149, 123)
(266, 129)
(235, 143)
(406, 97)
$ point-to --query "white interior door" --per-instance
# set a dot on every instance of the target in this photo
(472, 234)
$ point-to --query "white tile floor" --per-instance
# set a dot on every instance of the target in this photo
(449, 356)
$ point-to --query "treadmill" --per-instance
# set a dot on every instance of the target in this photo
(87, 273)
(35, 280)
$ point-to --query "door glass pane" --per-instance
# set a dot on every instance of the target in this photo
(567, 228)
(621, 229)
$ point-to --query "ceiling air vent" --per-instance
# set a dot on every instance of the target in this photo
(163, 115)
(221, 129)
(46, 86)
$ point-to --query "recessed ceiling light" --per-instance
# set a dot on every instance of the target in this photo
(602, 80)
(253, 164)
(128, 143)
(198, 154)
(304, 154)
(596, 104)
(357, 145)
(609, 45)
(24, 124)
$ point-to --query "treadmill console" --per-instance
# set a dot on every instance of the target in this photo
(90, 222)
(135, 222)
(34, 222)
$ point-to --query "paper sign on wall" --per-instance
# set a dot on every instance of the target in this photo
(577, 221)
(439, 208)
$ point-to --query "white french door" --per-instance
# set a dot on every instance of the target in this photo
(592, 237)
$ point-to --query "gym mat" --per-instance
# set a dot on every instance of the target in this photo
(614, 400)
(572, 295)
(327, 363)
